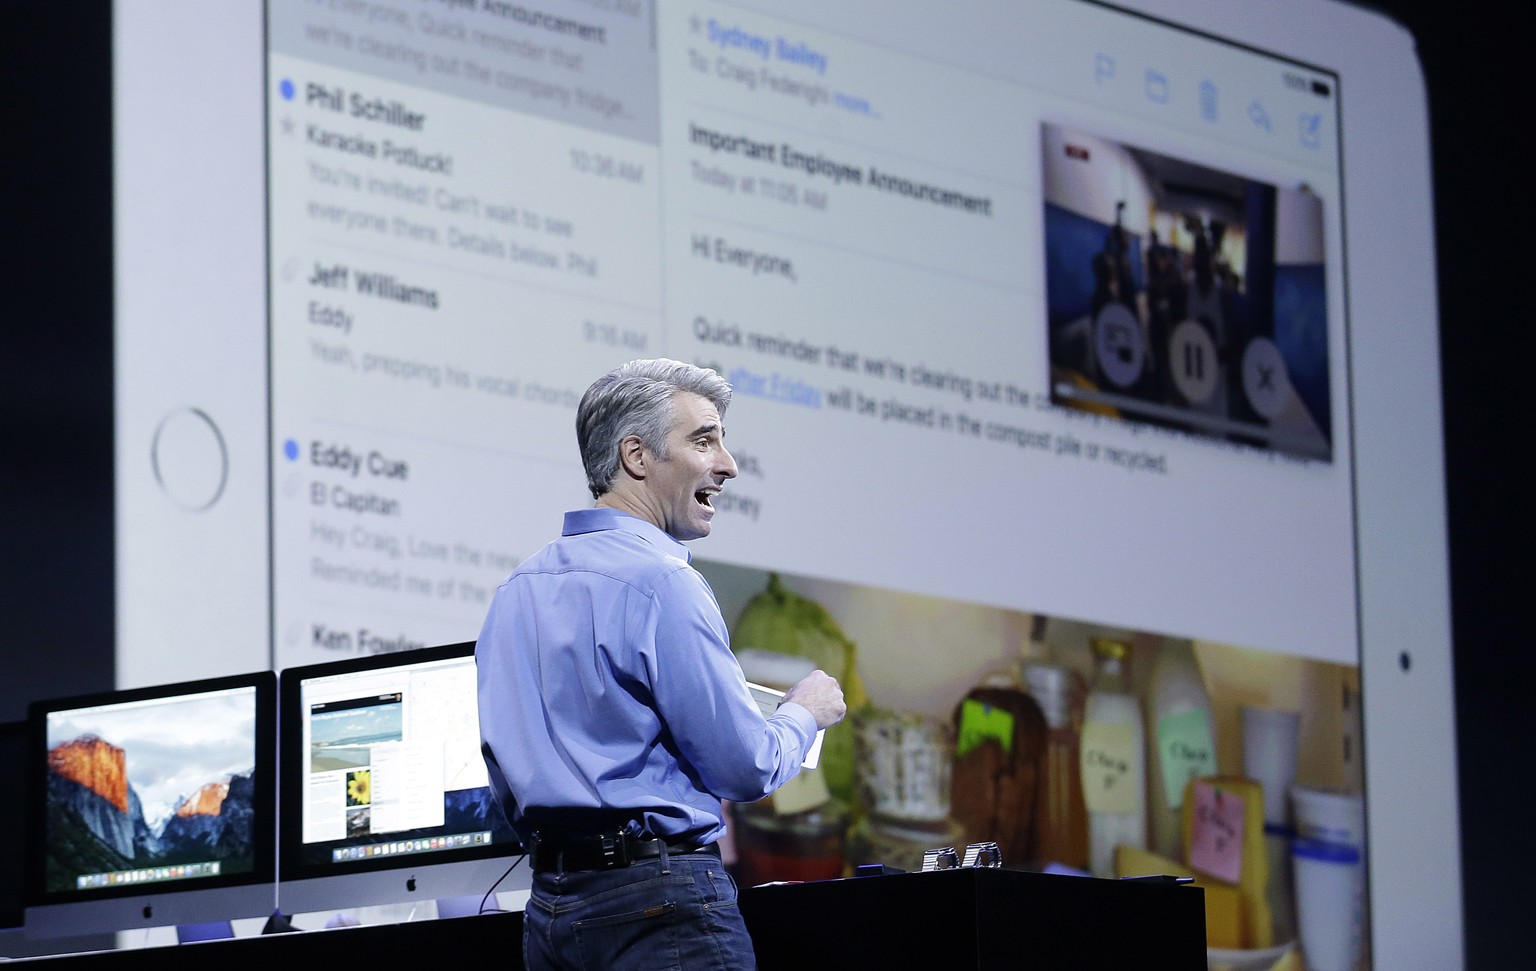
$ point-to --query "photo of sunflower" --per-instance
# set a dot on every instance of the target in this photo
(359, 787)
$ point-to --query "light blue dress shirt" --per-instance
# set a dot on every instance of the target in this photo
(606, 682)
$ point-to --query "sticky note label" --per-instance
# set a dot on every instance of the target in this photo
(1111, 768)
(1187, 751)
(1216, 845)
(980, 722)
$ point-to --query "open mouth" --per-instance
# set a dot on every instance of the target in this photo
(703, 497)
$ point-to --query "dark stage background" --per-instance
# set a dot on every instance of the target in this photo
(56, 569)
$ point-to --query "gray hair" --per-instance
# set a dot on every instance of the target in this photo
(636, 399)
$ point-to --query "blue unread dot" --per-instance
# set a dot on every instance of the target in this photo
(285, 88)
(291, 447)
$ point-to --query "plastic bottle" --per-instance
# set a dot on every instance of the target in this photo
(1113, 758)
(1181, 741)
(999, 773)
(1059, 691)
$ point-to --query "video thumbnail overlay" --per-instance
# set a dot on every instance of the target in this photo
(1184, 296)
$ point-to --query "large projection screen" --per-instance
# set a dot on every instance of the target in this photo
(372, 259)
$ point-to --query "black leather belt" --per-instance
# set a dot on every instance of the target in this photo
(562, 851)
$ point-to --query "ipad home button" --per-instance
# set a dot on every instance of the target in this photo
(190, 461)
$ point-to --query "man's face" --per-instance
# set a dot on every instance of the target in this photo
(683, 485)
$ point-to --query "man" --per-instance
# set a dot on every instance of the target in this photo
(613, 716)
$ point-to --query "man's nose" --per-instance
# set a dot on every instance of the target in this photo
(727, 465)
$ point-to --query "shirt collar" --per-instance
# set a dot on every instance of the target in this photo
(600, 518)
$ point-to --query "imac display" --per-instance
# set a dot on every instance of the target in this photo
(13, 753)
(385, 795)
(151, 807)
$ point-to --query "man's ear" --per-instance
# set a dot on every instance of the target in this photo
(634, 457)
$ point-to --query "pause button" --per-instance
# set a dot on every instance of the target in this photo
(1192, 359)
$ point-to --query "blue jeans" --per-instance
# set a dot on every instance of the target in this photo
(678, 915)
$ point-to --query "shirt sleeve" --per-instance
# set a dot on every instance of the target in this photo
(702, 698)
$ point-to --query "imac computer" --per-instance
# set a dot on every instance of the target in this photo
(13, 753)
(151, 807)
(385, 797)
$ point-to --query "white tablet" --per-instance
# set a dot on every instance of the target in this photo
(1117, 316)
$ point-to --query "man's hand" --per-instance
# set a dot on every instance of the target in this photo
(821, 695)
